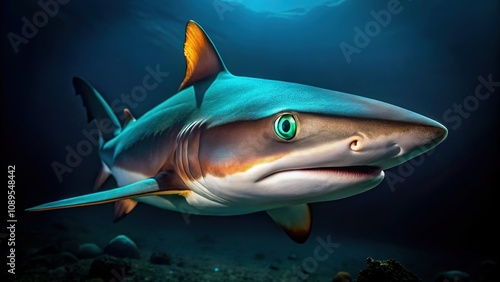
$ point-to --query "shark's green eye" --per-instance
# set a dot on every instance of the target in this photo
(285, 127)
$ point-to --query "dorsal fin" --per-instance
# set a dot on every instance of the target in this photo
(202, 58)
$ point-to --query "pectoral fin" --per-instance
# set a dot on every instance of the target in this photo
(159, 185)
(294, 220)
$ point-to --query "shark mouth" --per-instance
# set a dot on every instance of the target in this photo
(348, 171)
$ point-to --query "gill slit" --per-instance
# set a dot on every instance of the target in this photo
(187, 157)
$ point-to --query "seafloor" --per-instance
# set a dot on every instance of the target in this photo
(196, 248)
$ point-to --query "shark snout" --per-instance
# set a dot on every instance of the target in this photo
(405, 142)
(439, 133)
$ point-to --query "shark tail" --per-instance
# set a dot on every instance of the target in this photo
(109, 126)
(97, 109)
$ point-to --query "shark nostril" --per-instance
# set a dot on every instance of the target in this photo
(356, 145)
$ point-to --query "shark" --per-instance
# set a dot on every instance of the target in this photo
(228, 145)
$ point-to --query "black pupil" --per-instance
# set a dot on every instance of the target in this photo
(285, 126)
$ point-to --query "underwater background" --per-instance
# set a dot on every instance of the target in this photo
(435, 213)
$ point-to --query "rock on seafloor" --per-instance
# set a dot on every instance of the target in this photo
(342, 277)
(452, 275)
(158, 257)
(109, 268)
(122, 247)
(387, 271)
(88, 250)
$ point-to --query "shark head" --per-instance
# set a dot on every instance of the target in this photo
(297, 143)
(275, 143)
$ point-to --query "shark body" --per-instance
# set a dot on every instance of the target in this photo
(230, 145)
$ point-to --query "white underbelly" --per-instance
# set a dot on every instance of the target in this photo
(192, 203)
(124, 177)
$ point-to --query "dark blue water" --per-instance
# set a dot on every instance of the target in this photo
(429, 56)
